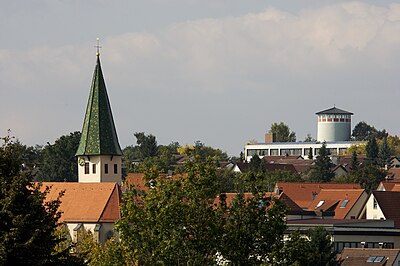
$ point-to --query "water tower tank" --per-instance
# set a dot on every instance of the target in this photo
(334, 124)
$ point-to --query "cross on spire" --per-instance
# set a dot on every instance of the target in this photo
(97, 46)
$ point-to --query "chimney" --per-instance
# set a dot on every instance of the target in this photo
(270, 137)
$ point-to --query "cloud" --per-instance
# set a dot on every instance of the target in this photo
(272, 61)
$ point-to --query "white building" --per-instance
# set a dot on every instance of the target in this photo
(334, 128)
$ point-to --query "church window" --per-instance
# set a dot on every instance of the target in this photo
(94, 168)
(115, 168)
(106, 168)
(86, 168)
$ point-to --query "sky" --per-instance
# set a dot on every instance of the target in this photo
(216, 71)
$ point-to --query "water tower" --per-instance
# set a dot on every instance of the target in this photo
(334, 124)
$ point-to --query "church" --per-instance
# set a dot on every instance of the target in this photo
(93, 202)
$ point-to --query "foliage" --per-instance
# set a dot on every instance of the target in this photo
(174, 223)
(384, 153)
(309, 138)
(368, 176)
(363, 132)
(256, 164)
(354, 164)
(178, 222)
(147, 145)
(252, 230)
(357, 148)
(321, 171)
(315, 247)
(282, 133)
(321, 247)
(58, 162)
(372, 151)
(96, 254)
(296, 250)
(28, 222)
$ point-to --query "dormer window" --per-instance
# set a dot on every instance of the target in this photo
(344, 203)
(320, 203)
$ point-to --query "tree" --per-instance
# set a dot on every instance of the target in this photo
(282, 133)
(321, 247)
(363, 132)
(384, 152)
(309, 138)
(147, 145)
(355, 164)
(252, 229)
(58, 162)
(296, 250)
(310, 153)
(321, 171)
(28, 222)
(256, 164)
(175, 223)
(372, 150)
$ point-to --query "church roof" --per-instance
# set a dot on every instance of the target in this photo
(86, 202)
(334, 110)
(99, 136)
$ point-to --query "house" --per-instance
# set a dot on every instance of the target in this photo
(383, 205)
(393, 174)
(243, 167)
(369, 256)
(353, 233)
(389, 186)
(303, 193)
(344, 203)
(87, 206)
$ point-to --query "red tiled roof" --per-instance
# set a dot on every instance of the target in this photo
(359, 256)
(247, 195)
(86, 202)
(394, 173)
(290, 204)
(387, 201)
(304, 193)
(136, 180)
(334, 198)
(269, 167)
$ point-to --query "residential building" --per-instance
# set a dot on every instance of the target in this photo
(303, 193)
(369, 256)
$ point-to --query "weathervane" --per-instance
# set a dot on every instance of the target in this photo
(97, 46)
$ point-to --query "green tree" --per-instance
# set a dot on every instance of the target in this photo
(58, 162)
(175, 223)
(147, 145)
(256, 164)
(321, 171)
(296, 250)
(355, 164)
(310, 153)
(363, 132)
(384, 153)
(372, 150)
(253, 230)
(282, 133)
(309, 138)
(321, 247)
(28, 222)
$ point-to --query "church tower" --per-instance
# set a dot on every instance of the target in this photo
(99, 153)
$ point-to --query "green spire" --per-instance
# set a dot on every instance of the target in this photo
(99, 136)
